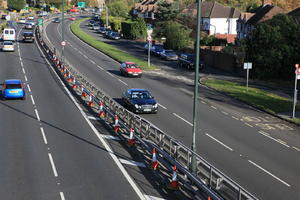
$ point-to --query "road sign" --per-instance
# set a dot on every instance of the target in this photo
(149, 38)
(40, 21)
(248, 65)
(81, 4)
(63, 43)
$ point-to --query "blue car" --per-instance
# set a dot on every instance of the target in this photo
(139, 101)
(13, 89)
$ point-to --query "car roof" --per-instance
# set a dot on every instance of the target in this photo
(12, 81)
(137, 90)
(129, 63)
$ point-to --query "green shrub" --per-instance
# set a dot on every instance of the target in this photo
(136, 29)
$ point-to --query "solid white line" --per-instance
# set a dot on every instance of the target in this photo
(183, 119)
(276, 140)
(248, 124)
(225, 113)
(85, 56)
(213, 107)
(92, 61)
(62, 196)
(94, 118)
(25, 78)
(162, 106)
(110, 137)
(110, 74)
(29, 89)
(105, 144)
(44, 136)
(203, 102)
(221, 143)
(32, 99)
(123, 82)
(22, 67)
(256, 165)
(297, 149)
(235, 118)
(148, 197)
(131, 162)
(100, 67)
(52, 164)
(37, 115)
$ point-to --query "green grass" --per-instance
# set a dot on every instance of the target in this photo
(256, 97)
(109, 50)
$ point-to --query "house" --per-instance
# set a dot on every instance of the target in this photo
(147, 9)
(216, 19)
(296, 14)
(247, 21)
(3, 4)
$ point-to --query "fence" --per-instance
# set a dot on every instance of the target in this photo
(207, 179)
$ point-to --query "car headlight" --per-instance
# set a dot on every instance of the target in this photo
(136, 106)
(155, 105)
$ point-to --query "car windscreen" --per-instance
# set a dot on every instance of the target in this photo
(13, 86)
(141, 95)
(8, 43)
(132, 66)
(27, 34)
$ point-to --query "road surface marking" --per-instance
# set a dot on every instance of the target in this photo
(235, 118)
(110, 74)
(276, 140)
(44, 136)
(62, 196)
(23, 68)
(25, 78)
(248, 124)
(281, 141)
(29, 89)
(110, 137)
(183, 119)
(32, 99)
(297, 149)
(123, 82)
(213, 107)
(94, 118)
(85, 56)
(92, 61)
(225, 113)
(162, 106)
(148, 197)
(52, 164)
(37, 115)
(256, 165)
(100, 67)
(221, 143)
(203, 102)
(131, 162)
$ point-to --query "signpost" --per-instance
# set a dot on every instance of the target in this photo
(81, 4)
(149, 38)
(297, 77)
(247, 66)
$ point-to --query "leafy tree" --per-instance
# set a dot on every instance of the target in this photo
(118, 9)
(281, 36)
(167, 11)
(16, 4)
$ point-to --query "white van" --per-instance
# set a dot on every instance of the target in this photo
(9, 34)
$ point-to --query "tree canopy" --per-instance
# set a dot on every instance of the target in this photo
(118, 9)
(16, 4)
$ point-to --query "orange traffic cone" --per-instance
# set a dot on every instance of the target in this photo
(74, 86)
(174, 185)
(131, 140)
(102, 114)
(154, 164)
(83, 94)
(208, 198)
(116, 125)
(90, 103)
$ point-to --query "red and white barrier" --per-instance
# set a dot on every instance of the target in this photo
(174, 185)
(154, 164)
(116, 125)
(102, 114)
(131, 140)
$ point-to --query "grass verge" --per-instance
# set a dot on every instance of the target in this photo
(109, 50)
(255, 97)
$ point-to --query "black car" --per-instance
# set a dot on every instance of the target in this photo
(28, 37)
(139, 101)
(189, 61)
(56, 20)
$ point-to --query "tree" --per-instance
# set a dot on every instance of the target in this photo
(167, 11)
(16, 4)
(281, 36)
(118, 9)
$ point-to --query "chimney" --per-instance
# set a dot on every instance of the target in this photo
(266, 2)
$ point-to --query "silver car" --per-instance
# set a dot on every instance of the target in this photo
(8, 46)
(168, 55)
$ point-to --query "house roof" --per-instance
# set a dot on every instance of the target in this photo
(211, 9)
(246, 16)
(296, 14)
(148, 5)
(264, 13)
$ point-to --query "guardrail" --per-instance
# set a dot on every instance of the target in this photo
(207, 179)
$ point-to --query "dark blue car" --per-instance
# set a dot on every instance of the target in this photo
(13, 89)
(139, 101)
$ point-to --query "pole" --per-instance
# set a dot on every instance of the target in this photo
(62, 30)
(195, 111)
(106, 16)
(247, 77)
(149, 45)
(295, 95)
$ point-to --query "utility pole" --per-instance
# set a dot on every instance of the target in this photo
(106, 16)
(195, 111)
(62, 31)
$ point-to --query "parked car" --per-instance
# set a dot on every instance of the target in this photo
(8, 46)
(115, 36)
(102, 30)
(22, 21)
(30, 18)
(91, 22)
(96, 26)
(13, 89)
(28, 26)
(139, 101)
(157, 50)
(188, 61)
(3, 17)
(28, 37)
(130, 69)
(72, 18)
(108, 33)
(168, 55)
(56, 20)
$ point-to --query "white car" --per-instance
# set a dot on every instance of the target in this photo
(28, 26)
(8, 46)
(22, 21)
(30, 18)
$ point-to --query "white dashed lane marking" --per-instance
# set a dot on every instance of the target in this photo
(53, 165)
(218, 141)
(225, 113)
(274, 139)
(37, 115)
(162, 106)
(44, 136)
(62, 196)
(123, 82)
(266, 171)
(183, 119)
(249, 125)
(32, 100)
(233, 117)
(25, 78)
(213, 107)
(203, 102)
(100, 67)
(296, 148)
(29, 89)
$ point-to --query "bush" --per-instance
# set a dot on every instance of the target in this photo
(134, 29)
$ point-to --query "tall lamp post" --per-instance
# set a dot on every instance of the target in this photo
(195, 111)
(62, 31)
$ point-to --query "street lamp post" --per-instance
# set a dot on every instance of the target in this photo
(62, 30)
(106, 13)
(195, 111)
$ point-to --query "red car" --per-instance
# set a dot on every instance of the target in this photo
(130, 69)
(72, 18)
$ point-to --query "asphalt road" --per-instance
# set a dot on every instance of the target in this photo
(49, 150)
(255, 149)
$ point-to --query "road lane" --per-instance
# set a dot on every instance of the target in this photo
(251, 144)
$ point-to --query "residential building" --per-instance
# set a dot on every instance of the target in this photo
(247, 21)
(3, 4)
